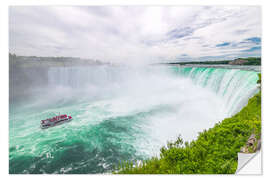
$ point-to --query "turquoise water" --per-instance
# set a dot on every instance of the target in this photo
(119, 113)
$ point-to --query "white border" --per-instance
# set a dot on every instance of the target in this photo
(134, 2)
(4, 80)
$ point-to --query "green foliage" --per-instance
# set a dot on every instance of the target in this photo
(260, 84)
(260, 78)
(252, 61)
(214, 151)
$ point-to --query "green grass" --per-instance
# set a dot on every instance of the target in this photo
(213, 152)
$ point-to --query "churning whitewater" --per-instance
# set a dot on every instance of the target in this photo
(119, 113)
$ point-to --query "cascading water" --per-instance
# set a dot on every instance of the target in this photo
(120, 113)
(234, 86)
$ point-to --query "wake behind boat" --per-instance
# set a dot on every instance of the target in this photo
(57, 120)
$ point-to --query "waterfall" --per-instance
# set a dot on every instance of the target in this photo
(233, 85)
(119, 112)
(80, 77)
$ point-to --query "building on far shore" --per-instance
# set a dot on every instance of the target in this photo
(238, 61)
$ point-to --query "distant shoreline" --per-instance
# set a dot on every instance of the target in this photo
(33, 61)
(256, 68)
(238, 61)
(251, 63)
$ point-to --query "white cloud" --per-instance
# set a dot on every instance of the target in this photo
(133, 34)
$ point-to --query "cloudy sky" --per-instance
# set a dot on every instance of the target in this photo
(136, 34)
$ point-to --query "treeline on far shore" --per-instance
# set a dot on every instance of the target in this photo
(238, 61)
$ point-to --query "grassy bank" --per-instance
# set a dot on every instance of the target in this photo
(213, 152)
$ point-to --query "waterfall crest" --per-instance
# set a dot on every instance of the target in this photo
(233, 85)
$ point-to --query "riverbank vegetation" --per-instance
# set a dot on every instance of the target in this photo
(213, 152)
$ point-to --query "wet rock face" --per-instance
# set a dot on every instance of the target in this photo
(244, 149)
(252, 145)
(251, 140)
(258, 145)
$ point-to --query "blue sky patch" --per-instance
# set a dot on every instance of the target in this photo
(223, 44)
(180, 33)
(256, 40)
(253, 49)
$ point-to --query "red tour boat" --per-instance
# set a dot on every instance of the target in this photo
(55, 121)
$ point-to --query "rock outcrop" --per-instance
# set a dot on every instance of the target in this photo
(252, 145)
